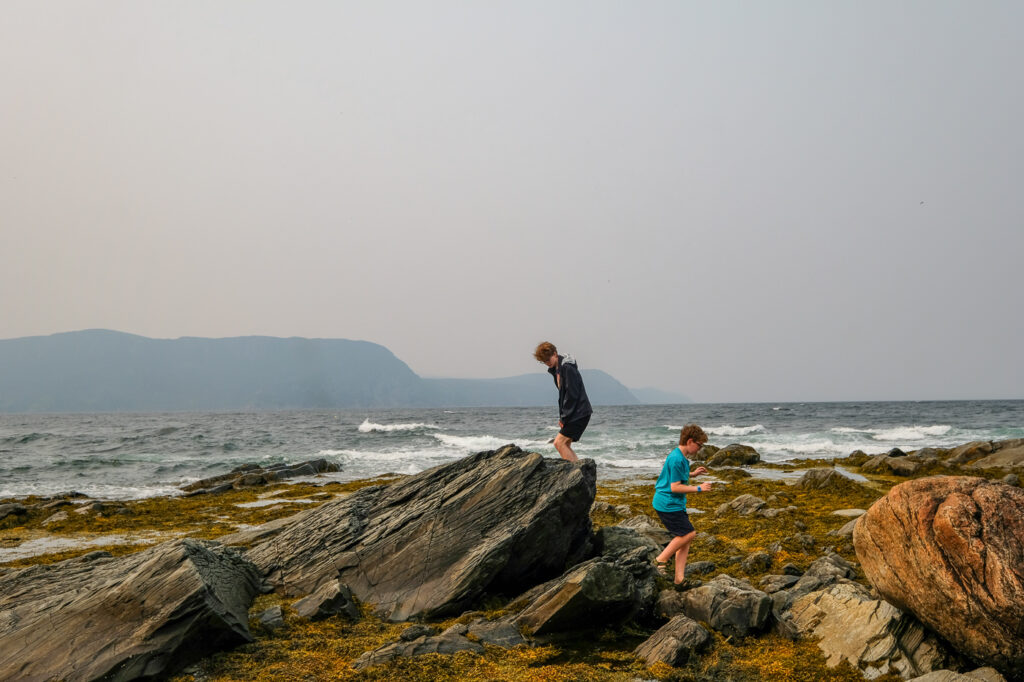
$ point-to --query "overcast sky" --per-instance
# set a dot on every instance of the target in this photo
(737, 201)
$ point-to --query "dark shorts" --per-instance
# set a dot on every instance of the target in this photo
(573, 430)
(677, 523)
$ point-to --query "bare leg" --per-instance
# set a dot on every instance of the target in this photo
(674, 546)
(564, 446)
(681, 555)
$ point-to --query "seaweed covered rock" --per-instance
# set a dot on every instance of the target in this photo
(431, 544)
(950, 549)
(142, 615)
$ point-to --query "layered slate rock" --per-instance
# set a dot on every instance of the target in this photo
(142, 615)
(870, 634)
(674, 642)
(951, 550)
(431, 544)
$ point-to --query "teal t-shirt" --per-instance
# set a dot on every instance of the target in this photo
(676, 468)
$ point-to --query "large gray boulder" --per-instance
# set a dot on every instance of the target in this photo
(432, 544)
(730, 606)
(595, 593)
(140, 616)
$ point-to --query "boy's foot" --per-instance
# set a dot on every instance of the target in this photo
(662, 567)
(688, 584)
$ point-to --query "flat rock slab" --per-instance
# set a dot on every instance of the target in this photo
(431, 544)
(142, 615)
(950, 549)
(730, 606)
(870, 634)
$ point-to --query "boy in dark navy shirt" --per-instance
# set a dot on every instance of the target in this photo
(573, 404)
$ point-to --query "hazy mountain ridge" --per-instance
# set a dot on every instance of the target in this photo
(101, 370)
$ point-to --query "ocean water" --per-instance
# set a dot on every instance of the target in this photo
(129, 456)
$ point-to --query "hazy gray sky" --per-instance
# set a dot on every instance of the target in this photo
(737, 201)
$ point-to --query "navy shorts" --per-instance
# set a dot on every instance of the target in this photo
(573, 430)
(677, 523)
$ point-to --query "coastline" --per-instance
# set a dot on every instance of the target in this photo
(325, 649)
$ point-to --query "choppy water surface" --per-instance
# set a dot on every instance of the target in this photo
(123, 456)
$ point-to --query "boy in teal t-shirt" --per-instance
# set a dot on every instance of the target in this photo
(670, 498)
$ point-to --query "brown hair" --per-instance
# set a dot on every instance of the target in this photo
(694, 433)
(544, 351)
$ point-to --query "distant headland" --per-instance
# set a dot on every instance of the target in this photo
(103, 371)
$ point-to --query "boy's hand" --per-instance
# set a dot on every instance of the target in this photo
(699, 471)
(705, 487)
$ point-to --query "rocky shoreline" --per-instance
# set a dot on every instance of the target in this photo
(509, 565)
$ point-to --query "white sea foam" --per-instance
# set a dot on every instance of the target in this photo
(369, 427)
(901, 433)
(822, 446)
(631, 463)
(472, 443)
(730, 430)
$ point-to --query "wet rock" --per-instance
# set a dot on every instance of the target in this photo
(142, 615)
(896, 452)
(791, 569)
(744, 505)
(430, 545)
(871, 635)
(734, 455)
(730, 606)
(674, 642)
(950, 549)
(330, 599)
(1011, 479)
